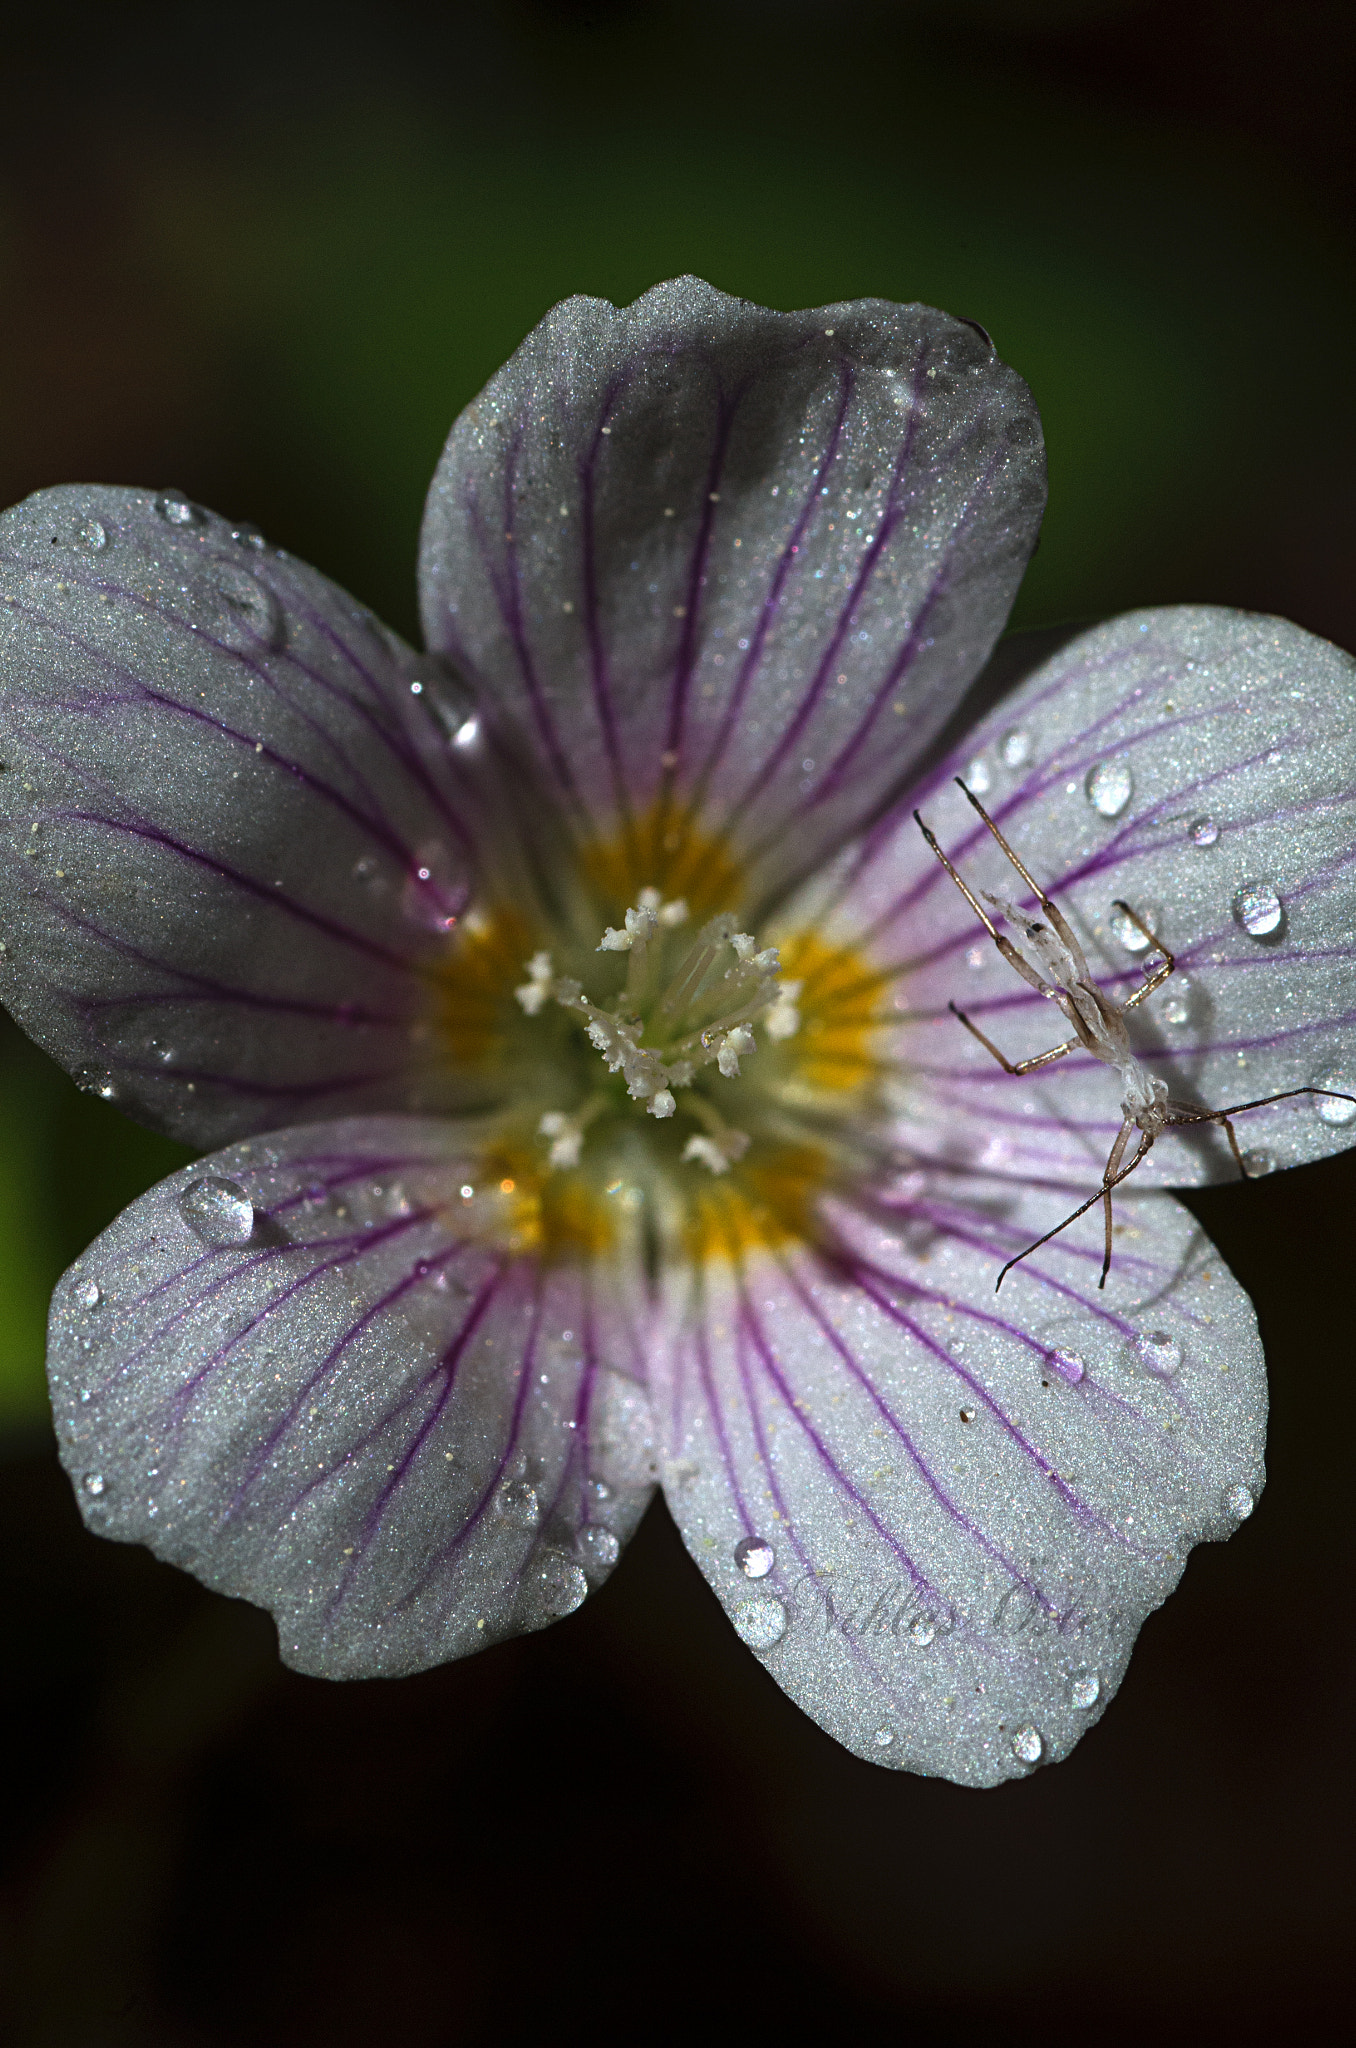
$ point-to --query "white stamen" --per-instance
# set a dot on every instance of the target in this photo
(783, 1019)
(744, 945)
(719, 1151)
(566, 1134)
(614, 941)
(675, 913)
(540, 987)
(661, 1103)
(740, 1040)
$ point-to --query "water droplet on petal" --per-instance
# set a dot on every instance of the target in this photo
(883, 1737)
(218, 1211)
(1160, 1352)
(1330, 1108)
(1203, 831)
(517, 1501)
(598, 1546)
(94, 1483)
(1027, 1744)
(249, 613)
(92, 534)
(923, 1631)
(1126, 932)
(1257, 908)
(555, 1586)
(95, 1081)
(1068, 1365)
(1176, 1010)
(1015, 748)
(755, 1556)
(248, 537)
(977, 776)
(1240, 1502)
(1109, 786)
(1258, 1162)
(1086, 1689)
(760, 1623)
(91, 1294)
(179, 511)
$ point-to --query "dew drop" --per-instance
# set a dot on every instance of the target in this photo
(755, 1556)
(517, 1501)
(218, 1211)
(1027, 1744)
(1160, 1352)
(923, 1631)
(977, 777)
(92, 534)
(94, 1483)
(1332, 1109)
(1126, 932)
(1015, 748)
(557, 1586)
(1109, 786)
(1086, 1689)
(1176, 1010)
(96, 1081)
(248, 537)
(178, 511)
(1258, 1163)
(883, 1737)
(249, 613)
(1240, 1502)
(1257, 908)
(1203, 831)
(760, 1623)
(91, 1294)
(1068, 1365)
(598, 1546)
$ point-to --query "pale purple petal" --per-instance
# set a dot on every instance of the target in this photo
(745, 560)
(940, 1518)
(1199, 765)
(325, 1382)
(230, 833)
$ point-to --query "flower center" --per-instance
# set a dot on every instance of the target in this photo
(684, 1017)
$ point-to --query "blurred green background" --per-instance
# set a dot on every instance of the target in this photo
(266, 256)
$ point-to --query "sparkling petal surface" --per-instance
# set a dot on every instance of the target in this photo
(746, 558)
(218, 797)
(368, 1416)
(966, 1533)
(1199, 765)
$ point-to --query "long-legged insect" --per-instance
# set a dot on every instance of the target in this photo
(1059, 972)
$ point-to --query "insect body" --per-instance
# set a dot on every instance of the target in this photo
(1050, 960)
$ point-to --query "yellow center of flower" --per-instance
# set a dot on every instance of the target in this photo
(651, 1066)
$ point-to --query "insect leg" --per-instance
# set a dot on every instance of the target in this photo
(1005, 946)
(1114, 1158)
(1144, 1144)
(1222, 1116)
(1160, 974)
(1052, 910)
(1041, 1059)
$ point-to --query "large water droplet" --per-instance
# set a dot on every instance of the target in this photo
(1258, 1162)
(249, 613)
(1015, 748)
(1240, 1502)
(94, 1483)
(1203, 831)
(1068, 1365)
(1086, 1689)
(1257, 908)
(598, 1547)
(92, 534)
(755, 1556)
(556, 1586)
(1176, 1009)
(1332, 1109)
(1027, 1744)
(923, 1631)
(1126, 932)
(977, 777)
(176, 510)
(218, 1211)
(1160, 1352)
(91, 1294)
(760, 1623)
(1109, 786)
(883, 1737)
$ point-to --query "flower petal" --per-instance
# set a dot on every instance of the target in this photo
(941, 1518)
(747, 559)
(312, 1371)
(219, 794)
(1198, 765)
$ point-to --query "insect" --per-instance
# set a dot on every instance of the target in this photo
(1056, 968)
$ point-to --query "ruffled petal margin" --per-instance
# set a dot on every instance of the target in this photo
(939, 1518)
(738, 561)
(313, 1371)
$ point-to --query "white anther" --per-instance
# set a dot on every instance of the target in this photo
(675, 913)
(783, 1019)
(661, 1103)
(538, 989)
(768, 961)
(566, 1135)
(744, 945)
(650, 899)
(641, 923)
(717, 1153)
(614, 941)
(740, 1040)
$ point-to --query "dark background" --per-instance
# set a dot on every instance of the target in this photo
(266, 257)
